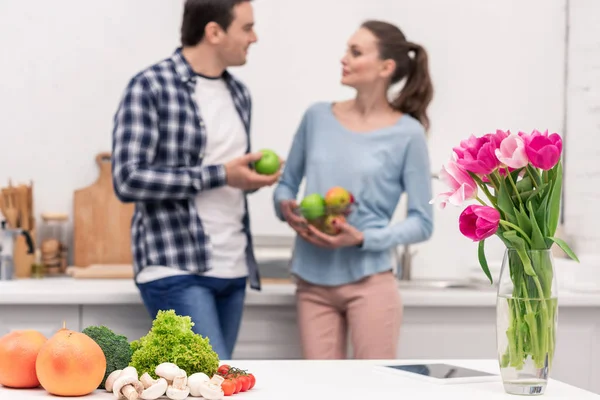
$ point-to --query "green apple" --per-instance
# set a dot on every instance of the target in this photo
(313, 206)
(268, 164)
(337, 199)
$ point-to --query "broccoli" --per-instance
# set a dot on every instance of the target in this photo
(171, 339)
(116, 348)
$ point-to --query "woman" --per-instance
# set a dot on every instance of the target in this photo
(377, 150)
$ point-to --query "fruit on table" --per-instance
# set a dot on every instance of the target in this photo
(268, 164)
(18, 352)
(115, 347)
(312, 206)
(236, 380)
(70, 363)
(329, 225)
(338, 199)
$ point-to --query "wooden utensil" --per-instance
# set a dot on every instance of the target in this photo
(23, 207)
(30, 205)
(10, 210)
(101, 223)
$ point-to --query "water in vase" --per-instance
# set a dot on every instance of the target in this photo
(526, 338)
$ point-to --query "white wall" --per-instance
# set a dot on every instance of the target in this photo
(65, 63)
(582, 194)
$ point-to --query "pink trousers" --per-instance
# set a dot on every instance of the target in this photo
(370, 311)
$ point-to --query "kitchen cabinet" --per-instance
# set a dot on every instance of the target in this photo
(131, 320)
(437, 324)
(44, 318)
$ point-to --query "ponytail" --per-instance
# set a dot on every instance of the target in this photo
(417, 93)
(415, 96)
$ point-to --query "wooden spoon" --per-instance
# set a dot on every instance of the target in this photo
(10, 211)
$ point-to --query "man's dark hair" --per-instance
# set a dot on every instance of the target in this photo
(198, 13)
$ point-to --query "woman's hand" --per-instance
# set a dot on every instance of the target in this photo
(298, 223)
(347, 236)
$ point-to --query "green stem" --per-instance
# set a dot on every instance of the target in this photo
(512, 182)
(516, 228)
(481, 201)
(531, 326)
(494, 181)
(532, 178)
(483, 187)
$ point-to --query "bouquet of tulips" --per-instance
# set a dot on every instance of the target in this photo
(520, 177)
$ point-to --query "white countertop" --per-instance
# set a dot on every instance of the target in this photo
(123, 291)
(300, 379)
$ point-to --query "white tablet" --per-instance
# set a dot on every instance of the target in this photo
(439, 373)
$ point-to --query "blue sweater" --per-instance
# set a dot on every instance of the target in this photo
(377, 167)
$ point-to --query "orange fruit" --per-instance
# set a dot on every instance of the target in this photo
(18, 352)
(70, 364)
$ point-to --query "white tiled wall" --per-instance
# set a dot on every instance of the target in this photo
(582, 175)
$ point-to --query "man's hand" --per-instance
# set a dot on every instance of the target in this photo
(241, 176)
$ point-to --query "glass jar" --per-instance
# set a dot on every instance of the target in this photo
(37, 268)
(53, 243)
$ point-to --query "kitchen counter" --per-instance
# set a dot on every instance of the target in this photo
(436, 323)
(350, 380)
(66, 290)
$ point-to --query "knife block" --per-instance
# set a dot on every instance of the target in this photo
(22, 261)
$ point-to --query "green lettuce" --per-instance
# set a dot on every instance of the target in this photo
(171, 339)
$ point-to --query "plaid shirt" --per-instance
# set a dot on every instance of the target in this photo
(159, 140)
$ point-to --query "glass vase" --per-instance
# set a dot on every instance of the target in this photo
(526, 320)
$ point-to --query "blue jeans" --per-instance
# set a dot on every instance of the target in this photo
(215, 305)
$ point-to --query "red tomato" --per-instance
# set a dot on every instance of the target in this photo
(245, 382)
(223, 370)
(228, 387)
(238, 385)
(252, 381)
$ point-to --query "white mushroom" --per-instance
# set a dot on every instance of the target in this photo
(127, 387)
(155, 390)
(178, 390)
(147, 380)
(212, 390)
(129, 371)
(184, 374)
(195, 381)
(110, 380)
(168, 371)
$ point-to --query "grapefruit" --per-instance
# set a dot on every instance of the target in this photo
(70, 363)
(18, 352)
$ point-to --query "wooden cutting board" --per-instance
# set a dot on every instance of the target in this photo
(100, 271)
(101, 223)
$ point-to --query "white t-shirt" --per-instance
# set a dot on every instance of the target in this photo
(221, 210)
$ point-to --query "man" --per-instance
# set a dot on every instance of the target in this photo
(181, 153)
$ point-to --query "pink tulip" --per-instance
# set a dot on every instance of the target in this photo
(512, 152)
(477, 154)
(542, 150)
(462, 185)
(479, 222)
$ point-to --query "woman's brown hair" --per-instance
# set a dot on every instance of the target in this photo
(415, 96)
